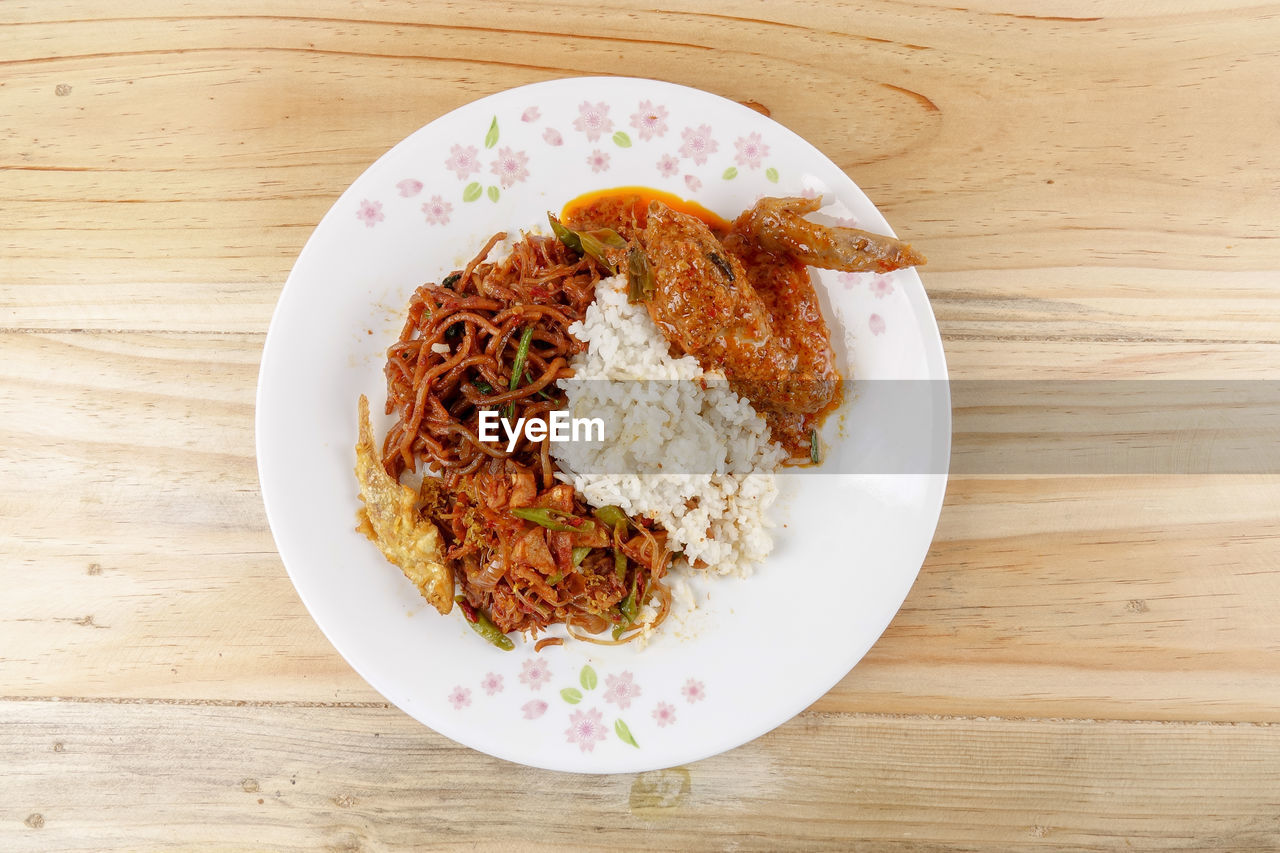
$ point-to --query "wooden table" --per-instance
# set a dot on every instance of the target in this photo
(1086, 662)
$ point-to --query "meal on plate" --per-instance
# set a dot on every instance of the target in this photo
(698, 344)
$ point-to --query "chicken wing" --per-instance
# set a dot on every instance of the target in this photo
(778, 225)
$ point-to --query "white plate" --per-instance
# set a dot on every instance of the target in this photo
(756, 651)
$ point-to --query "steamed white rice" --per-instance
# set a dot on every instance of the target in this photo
(718, 518)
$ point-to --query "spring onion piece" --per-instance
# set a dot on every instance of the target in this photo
(815, 452)
(482, 386)
(552, 519)
(522, 353)
(451, 279)
(480, 623)
(579, 554)
(567, 235)
(594, 246)
(639, 276)
(611, 515)
(591, 243)
(609, 237)
(552, 580)
(528, 380)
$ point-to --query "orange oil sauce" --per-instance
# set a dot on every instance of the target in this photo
(642, 196)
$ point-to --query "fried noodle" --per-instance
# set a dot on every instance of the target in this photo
(458, 355)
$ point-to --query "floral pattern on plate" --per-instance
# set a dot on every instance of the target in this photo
(587, 725)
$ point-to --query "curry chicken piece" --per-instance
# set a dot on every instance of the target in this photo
(739, 308)
(745, 302)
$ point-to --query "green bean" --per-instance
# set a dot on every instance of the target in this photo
(480, 623)
(611, 515)
(552, 519)
(579, 554)
(630, 609)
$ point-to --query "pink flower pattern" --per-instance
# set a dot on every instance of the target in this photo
(849, 279)
(460, 698)
(533, 709)
(436, 211)
(881, 286)
(463, 161)
(491, 683)
(668, 165)
(876, 323)
(552, 137)
(694, 691)
(692, 182)
(593, 120)
(409, 187)
(586, 729)
(510, 167)
(621, 689)
(698, 144)
(535, 673)
(664, 714)
(370, 213)
(531, 114)
(810, 192)
(649, 120)
(598, 161)
(751, 150)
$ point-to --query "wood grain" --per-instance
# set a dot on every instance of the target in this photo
(1100, 597)
(1092, 141)
(368, 778)
(1094, 185)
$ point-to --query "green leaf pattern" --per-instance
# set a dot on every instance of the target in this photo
(515, 170)
(624, 733)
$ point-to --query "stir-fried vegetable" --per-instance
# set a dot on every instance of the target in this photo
(590, 243)
(579, 554)
(567, 235)
(480, 623)
(639, 276)
(610, 515)
(552, 519)
(522, 354)
(815, 451)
